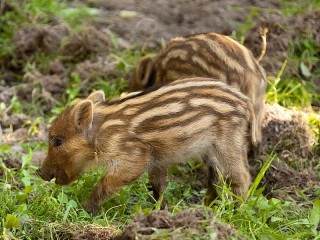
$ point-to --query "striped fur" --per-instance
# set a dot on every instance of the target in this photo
(150, 130)
(205, 55)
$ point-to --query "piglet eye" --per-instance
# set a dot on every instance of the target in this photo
(57, 142)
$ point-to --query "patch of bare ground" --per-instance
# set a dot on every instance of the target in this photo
(13, 161)
(284, 31)
(147, 23)
(279, 37)
(15, 128)
(187, 224)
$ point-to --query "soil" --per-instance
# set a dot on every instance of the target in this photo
(287, 133)
(147, 25)
(187, 224)
(157, 20)
(100, 67)
(84, 42)
(77, 231)
(31, 39)
(283, 182)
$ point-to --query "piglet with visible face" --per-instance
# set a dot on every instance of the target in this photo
(69, 151)
(151, 130)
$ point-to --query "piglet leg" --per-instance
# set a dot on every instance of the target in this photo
(123, 173)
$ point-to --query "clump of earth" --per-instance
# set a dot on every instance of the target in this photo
(185, 224)
(287, 133)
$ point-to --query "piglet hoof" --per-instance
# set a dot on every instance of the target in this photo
(91, 208)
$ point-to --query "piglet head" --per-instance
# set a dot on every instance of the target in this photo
(70, 151)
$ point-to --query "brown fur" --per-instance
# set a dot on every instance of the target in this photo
(196, 117)
(206, 55)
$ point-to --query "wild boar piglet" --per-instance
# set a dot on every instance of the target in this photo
(149, 131)
(206, 55)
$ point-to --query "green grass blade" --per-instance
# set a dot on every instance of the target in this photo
(260, 175)
(315, 215)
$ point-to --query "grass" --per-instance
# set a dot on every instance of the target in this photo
(264, 218)
(33, 209)
(29, 203)
(292, 8)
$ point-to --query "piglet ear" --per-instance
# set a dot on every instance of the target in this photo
(83, 114)
(96, 96)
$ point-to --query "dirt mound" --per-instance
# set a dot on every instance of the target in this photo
(38, 38)
(12, 162)
(85, 42)
(187, 224)
(287, 133)
(7, 119)
(98, 68)
(73, 45)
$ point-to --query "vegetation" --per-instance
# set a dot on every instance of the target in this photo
(33, 209)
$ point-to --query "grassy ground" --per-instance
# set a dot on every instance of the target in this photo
(33, 209)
